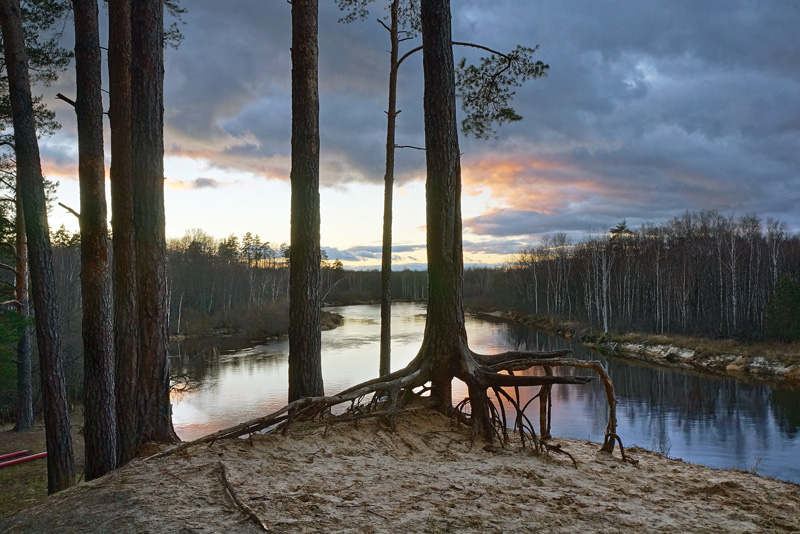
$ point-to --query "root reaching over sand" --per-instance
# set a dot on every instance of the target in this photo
(414, 387)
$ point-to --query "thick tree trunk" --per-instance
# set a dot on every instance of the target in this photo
(147, 105)
(386, 253)
(25, 414)
(60, 466)
(126, 321)
(305, 363)
(444, 354)
(445, 339)
(100, 429)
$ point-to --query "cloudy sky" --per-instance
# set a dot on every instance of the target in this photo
(649, 109)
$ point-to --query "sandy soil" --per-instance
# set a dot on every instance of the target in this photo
(423, 477)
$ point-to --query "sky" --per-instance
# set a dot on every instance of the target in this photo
(649, 109)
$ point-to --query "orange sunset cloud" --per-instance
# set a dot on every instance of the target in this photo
(526, 183)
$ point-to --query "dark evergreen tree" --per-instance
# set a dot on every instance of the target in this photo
(46, 59)
(783, 311)
(60, 465)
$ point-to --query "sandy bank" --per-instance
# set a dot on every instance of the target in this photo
(425, 477)
(736, 365)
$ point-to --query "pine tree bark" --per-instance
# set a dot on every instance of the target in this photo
(305, 361)
(445, 338)
(25, 414)
(60, 464)
(126, 321)
(147, 138)
(100, 429)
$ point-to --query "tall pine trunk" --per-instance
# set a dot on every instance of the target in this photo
(60, 464)
(100, 429)
(305, 344)
(147, 138)
(445, 338)
(126, 321)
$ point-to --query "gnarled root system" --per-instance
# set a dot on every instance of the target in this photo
(499, 374)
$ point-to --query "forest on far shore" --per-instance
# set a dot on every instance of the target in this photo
(701, 274)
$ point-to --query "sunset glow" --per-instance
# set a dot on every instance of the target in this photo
(628, 124)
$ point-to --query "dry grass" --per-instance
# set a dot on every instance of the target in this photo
(24, 485)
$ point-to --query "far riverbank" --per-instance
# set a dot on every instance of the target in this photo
(772, 361)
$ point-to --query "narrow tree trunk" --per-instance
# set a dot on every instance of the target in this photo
(180, 310)
(126, 321)
(60, 465)
(147, 127)
(100, 429)
(25, 414)
(386, 253)
(305, 360)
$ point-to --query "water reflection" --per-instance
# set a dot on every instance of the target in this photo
(708, 420)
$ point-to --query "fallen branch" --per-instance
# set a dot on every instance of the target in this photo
(242, 506)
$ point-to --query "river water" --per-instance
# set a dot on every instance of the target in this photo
(702, 419)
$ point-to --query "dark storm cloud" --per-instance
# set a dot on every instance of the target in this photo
(205, 183)
(197, 183)
(495, 246)
(511, 223)
(649, 108)
(370, 253)
(229, 90)
(339, 254)
(653, 108)
(59, 161)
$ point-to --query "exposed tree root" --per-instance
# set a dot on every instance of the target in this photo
(241, 504)
(625, 458)
(557, 448)
(385, 396)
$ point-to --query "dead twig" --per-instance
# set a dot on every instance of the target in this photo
(242, 506)
(72, 211)
(376, 513)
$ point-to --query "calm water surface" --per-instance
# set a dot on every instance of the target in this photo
(707, 420)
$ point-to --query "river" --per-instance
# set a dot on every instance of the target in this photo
(703, 419)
